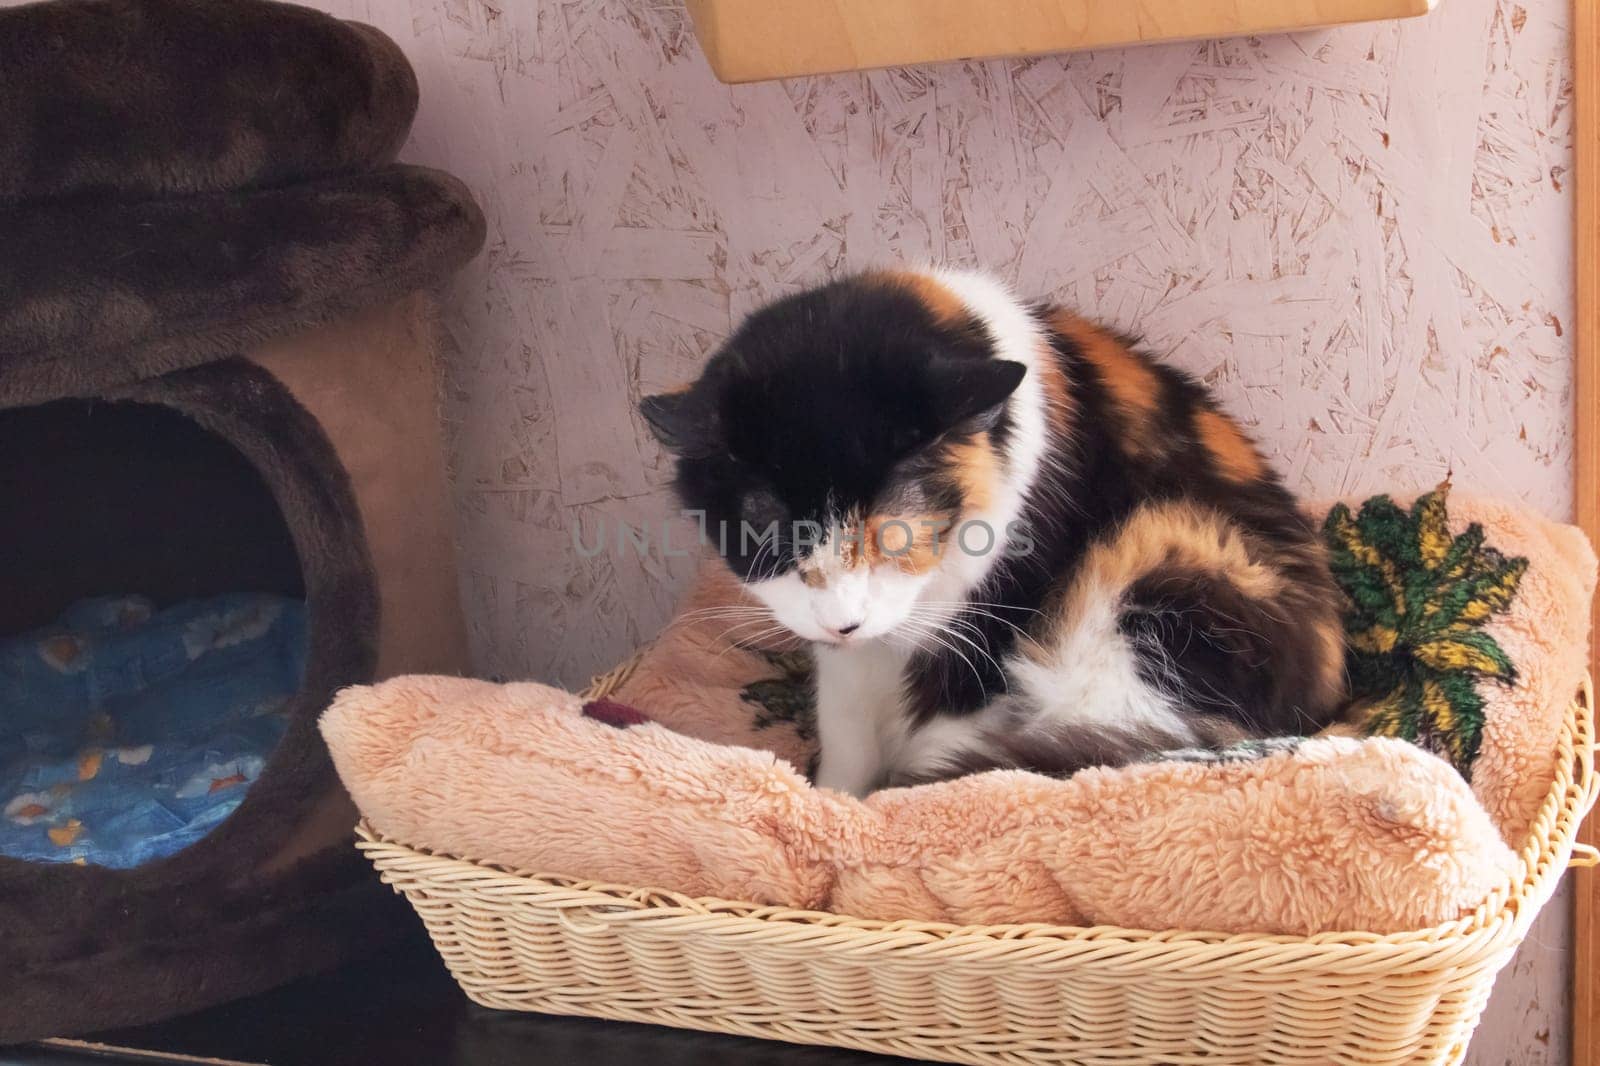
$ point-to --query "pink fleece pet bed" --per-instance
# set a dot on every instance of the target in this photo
(1467, 631)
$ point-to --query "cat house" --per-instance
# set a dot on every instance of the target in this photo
(223, 484)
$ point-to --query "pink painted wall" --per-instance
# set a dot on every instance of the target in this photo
(1359, 237)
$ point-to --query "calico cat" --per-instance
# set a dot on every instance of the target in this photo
(1011, 539)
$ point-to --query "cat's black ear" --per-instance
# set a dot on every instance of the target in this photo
(685, 422)
(971, 393)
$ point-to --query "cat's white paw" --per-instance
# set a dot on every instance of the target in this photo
(840, 776)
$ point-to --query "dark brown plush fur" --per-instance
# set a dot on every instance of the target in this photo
(331, 911)
(103, 934)
(142, 98)
(102, 294)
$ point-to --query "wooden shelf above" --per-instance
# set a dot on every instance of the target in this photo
(757, 40)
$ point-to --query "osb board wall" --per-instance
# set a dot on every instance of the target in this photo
(1360, 237)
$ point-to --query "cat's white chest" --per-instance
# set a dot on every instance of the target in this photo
(860, 713)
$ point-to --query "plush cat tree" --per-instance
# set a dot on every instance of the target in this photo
(216, 372)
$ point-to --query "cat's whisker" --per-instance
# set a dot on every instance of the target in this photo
(982, 603)
(755, 618)
(755, 563)
(938, 637)
(981, 651)
(732, 634)
(1022, 634)
(718, 612)
(711, 617)
(944, 617)
(748, 641)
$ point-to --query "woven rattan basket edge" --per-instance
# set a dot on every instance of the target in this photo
(460, 898)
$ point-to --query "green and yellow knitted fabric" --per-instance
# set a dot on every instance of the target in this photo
(1419, 599)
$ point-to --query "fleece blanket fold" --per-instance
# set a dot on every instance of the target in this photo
(1487, 611)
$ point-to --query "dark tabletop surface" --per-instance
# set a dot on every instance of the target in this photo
(402, 1009)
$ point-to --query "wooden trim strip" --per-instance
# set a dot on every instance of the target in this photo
(1586, 471)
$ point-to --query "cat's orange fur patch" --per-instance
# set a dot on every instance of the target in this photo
(1135, 390)
(913, 543)
(1329, 634)
(1156, 536)
(909, 542)
(977, 471)
(1327, 684)
(852, 553)
(1233, 453)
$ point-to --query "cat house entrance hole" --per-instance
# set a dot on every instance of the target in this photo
(130, 498)
(159, 628)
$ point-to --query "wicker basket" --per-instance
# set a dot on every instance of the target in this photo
(988, 994)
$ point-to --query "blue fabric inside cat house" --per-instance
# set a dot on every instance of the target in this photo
(128, 733)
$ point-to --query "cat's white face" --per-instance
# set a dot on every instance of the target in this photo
(842, 594)
(854, 605)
